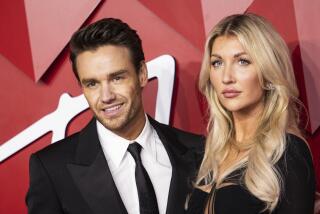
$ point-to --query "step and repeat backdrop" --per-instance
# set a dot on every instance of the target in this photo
(41, 101)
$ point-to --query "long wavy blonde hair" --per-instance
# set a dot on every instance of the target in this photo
(280, 115)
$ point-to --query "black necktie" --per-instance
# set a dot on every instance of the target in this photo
(147, 196)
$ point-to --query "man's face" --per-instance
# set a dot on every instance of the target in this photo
(113, 88)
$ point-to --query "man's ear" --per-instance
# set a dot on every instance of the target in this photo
(143, 75)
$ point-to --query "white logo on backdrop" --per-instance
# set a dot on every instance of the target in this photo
(162, 68)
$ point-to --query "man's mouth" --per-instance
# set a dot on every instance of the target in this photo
(112, 110)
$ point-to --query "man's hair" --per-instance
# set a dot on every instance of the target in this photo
(108, 31)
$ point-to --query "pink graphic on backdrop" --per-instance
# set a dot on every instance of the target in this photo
(213, 11)
(309, 41)
(45, 31)
(184, 16)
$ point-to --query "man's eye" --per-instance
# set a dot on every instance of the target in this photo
(117, 78)
(216, 63)
(91, 84)
(244, 62)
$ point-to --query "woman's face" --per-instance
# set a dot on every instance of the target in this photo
(234, 77)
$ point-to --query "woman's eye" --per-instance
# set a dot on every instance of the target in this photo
(216, 63)
(244, 62)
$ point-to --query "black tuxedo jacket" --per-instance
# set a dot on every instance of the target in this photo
(72, 176)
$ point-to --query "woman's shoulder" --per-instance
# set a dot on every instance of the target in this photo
(298, 177)
(297, 148)
(296, 157)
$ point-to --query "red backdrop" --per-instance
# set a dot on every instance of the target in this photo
(35, 70)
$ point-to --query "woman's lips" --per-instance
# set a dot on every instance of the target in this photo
(230, 93)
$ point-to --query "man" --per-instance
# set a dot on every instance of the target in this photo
(123, 161)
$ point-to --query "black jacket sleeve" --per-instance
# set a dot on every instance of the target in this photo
(41, 197)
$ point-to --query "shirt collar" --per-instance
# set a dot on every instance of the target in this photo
(115, 147)
(146, 138)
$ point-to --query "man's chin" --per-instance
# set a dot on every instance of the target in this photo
(112, 124)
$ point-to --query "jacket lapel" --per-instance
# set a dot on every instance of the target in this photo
(183, 166)
(92, 175)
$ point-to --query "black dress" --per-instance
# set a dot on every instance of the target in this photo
(298, 193)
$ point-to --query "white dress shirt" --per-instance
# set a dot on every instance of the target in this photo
(122, 165)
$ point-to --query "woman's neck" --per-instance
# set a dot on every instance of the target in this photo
(245, 123)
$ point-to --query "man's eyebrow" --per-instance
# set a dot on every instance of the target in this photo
(85, 81)
(119, 72)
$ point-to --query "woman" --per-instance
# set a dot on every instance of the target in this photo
(255, 159)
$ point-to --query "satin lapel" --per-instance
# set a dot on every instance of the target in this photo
(183, 165)
(92, 175)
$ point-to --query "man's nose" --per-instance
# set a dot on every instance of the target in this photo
(107, 94)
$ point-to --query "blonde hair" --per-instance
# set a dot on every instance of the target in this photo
(280, 115)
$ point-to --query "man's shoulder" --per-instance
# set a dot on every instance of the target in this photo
(185, 135)
(189, 139)
(66, 148)
(62, 149)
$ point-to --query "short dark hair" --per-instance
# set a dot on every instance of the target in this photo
(107, 31)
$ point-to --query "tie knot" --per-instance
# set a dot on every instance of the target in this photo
(135, 149)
